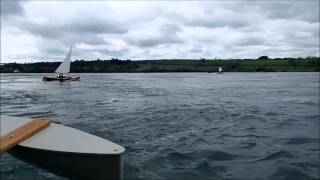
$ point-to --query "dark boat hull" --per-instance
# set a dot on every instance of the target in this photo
(77, 78)
(73, 165)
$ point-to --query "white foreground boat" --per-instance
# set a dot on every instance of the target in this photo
(66, 151)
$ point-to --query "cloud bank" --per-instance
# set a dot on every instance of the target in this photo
(44, 30)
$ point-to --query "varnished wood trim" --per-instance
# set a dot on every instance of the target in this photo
(22, 133)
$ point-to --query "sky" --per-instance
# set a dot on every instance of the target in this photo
(34, 31)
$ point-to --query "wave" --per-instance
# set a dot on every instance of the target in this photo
(35, 114)
(248, 145)
(241, 136)
(299, 141)
(305, 102)
(213, 155)
(275, 155)
(291, 173)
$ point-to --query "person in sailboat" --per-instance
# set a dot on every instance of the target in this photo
(61, 76)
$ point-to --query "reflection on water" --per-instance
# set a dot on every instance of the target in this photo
(182, 125)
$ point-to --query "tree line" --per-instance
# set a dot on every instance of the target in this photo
(263, 63)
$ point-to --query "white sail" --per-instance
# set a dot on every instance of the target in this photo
(65, 65)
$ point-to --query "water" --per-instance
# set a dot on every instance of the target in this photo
(182, 125)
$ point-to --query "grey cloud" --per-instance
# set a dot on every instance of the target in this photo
(56, 37)
(243, 14)
(215, 22)
(116, 53)
(98, 26)
(89, 39)
(250, 41)
(316, 32)
(196, 48)
(92, 40)
(305, 11)
(60, 46)
(102, 52)
(79, 27)
(168, 34)
(216, 15)
(301, 41)
(237, 29)
(170, 28)
(154, 41)
(53, 51)
(10, 8)
(53, 48)
(58, 49)
(290, 9)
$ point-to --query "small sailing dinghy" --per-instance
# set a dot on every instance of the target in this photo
(220, 71)
(63, 69)
(65, 151)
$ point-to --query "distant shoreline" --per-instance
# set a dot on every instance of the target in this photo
(157, 66)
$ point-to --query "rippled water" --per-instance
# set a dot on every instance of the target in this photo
(182, 125)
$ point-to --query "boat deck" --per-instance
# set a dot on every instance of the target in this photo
(58, 137)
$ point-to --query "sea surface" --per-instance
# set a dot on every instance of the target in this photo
(240, 126)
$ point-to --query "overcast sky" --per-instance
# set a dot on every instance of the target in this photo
(44, 30)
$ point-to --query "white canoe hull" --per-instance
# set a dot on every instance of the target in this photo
(67, 152)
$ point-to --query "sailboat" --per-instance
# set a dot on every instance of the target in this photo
(220, 71)
(62, 70)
